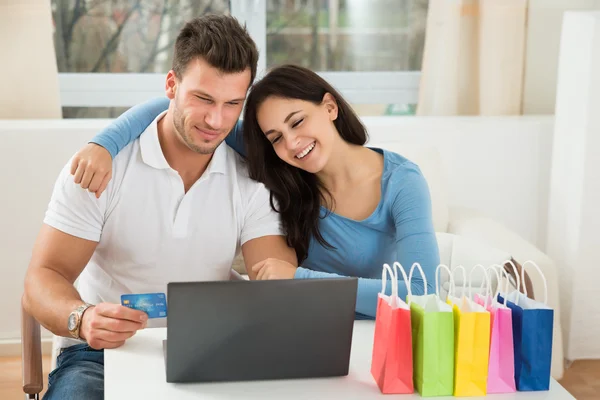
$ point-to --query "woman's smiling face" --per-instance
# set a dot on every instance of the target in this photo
(302, 133)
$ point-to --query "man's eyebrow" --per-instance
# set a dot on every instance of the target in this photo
(290, 115)
(201, 93)
(208, 96)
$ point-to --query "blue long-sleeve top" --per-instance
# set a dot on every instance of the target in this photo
(400, 229)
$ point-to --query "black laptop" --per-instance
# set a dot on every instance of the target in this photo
(259, 330)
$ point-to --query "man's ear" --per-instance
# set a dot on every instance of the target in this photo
(171, 84)
(331, 106)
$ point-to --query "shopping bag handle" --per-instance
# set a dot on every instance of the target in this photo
(541, 274)
(489, 282)
(393, 277)
(485, 280)
(453, 284)
(516, 271)
(498, 285)
(437, 283)
(406, 281)
(503, 273)
(489, 291)
(417, 265)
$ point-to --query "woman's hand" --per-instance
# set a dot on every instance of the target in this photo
(272, 268)
(92, 168)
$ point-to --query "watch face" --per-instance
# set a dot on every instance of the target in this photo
(72, 322)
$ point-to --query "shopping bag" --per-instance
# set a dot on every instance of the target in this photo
(501, 378)
(392, 361)
(433, 342)
(533, 324)
(471, 343)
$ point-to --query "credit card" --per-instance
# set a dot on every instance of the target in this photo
(153, 304)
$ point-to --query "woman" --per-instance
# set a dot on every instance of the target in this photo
(346, 209)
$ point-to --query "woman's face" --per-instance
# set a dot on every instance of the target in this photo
(302, 133)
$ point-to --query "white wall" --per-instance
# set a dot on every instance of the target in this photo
(496, 165)
(544, 26)
(26, 40)
(33, 154)
(575, 184)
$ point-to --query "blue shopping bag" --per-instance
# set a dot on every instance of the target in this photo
(533, 324)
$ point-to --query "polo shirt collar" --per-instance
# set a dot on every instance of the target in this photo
(153, 155)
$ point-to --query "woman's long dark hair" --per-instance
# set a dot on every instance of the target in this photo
(298, 194)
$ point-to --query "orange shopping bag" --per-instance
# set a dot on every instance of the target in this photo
(392, 362)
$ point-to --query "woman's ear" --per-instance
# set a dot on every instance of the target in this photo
(331, 106)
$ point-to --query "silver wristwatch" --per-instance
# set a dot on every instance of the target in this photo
(74, 321)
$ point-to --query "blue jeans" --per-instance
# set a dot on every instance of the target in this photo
(79, 374)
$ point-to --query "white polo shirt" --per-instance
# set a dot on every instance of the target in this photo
(150, 232)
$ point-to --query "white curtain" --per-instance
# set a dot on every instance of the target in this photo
(473, 60)
(27, 61)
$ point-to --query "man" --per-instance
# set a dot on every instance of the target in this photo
(178, 207)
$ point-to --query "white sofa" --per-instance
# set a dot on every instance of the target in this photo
(35, 151)
(477, 239)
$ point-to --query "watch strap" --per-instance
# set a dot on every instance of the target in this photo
(79, 311)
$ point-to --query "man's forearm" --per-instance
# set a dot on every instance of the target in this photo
(50, 298)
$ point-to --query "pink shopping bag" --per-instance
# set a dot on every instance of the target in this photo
(501, 372)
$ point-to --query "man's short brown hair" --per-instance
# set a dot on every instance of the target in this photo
(218, 39)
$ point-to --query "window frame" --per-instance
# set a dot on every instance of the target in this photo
(129, 89)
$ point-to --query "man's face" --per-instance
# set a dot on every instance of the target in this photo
(206, 104)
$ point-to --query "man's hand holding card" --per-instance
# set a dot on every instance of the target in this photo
(107, 326)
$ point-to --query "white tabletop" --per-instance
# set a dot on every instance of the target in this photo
(137, 370)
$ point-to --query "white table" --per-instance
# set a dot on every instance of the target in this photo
(137, 371)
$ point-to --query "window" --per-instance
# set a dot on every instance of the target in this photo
(122, 35)
(112, 54)
(346, 35)
(123, 38)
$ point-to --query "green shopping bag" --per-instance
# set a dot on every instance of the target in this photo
(432, 323)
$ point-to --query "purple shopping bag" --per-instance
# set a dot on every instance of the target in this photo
(501, 372)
